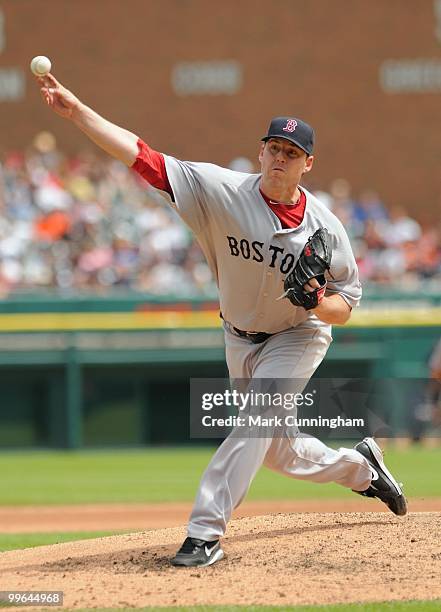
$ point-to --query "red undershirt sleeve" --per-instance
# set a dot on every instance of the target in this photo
(150, 164)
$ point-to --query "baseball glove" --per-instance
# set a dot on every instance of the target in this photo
(313, 262)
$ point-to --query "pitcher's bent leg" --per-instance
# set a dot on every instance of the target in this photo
(307, 458)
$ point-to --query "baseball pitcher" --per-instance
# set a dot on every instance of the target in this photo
(285, 273)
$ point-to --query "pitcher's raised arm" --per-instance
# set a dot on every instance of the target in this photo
(115, 140)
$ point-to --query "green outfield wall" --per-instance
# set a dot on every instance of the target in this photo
(87, 371)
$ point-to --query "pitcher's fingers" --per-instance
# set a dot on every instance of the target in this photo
(48, 97)
(47, 80)
(314, 283)
(311, 285)
(51, 80)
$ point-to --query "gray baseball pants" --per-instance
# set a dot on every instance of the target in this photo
(295, 354)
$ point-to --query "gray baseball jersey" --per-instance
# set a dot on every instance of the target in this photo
(248, 251)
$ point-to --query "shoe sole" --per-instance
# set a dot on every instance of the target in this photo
(217, 556)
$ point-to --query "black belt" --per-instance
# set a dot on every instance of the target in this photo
(255, 337)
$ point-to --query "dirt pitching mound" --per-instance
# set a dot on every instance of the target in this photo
(281, 559)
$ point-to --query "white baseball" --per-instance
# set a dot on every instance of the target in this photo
(41, 65)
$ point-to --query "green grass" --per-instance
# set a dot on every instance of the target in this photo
(392, 606)
(15, 541)
(172, 474)
(399, 606)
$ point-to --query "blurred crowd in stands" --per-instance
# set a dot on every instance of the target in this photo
(89, 224)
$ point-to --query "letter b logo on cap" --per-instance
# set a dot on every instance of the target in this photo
(290, 126)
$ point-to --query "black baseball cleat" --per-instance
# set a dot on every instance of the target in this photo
(383, 485)
(194, 552)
